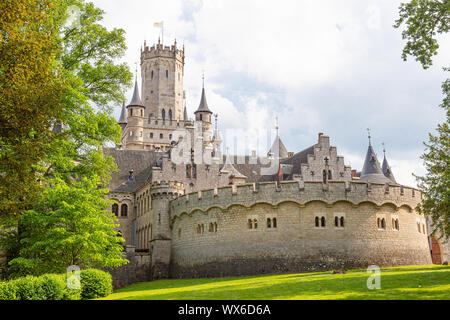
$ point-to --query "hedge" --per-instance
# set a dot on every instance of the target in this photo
(94, 284)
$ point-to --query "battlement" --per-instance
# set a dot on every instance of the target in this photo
(300, 192)
(159, 50)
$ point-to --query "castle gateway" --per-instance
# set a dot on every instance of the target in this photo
(187, 210)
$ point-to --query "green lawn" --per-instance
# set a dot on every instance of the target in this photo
(419, 282)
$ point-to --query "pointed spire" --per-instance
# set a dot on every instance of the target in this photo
(386, 168)
(123, 115)
(371, 170)
(278, 149)
(203, 107)
(136, 100)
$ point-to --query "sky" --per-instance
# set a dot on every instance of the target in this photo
(318, 66)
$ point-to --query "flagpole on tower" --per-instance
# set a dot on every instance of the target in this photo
(160, 25)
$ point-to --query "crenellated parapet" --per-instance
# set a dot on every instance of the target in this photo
(300, 192)
(166, 189)
(160, 50)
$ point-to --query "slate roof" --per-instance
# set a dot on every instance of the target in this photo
(228, 167)
(282, 151)
(203, 107)
(136, 100)
(141, 161)
(123, 115)
(371, 170)
(387, 170)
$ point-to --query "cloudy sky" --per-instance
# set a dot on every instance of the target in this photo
(319, 66)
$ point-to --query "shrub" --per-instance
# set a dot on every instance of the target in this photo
(8, 291)
(52, 286)
(95, 284)
(69, 294)
(445, 263)
(28, 288)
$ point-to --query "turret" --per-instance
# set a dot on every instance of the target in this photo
(162, 193)
(135, 121)
(371, 170)
(278, 150)
(203, 113)
(216, 141)
(386, 168)
(123, 118)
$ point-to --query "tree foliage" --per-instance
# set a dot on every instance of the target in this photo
(66, 223)
(424, 21)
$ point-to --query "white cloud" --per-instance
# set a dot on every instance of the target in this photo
(320, 66)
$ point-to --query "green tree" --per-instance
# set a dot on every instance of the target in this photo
(31, 92)
(67, 223)
(424, 21)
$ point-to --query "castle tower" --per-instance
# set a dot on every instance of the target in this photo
(162, 193)
(132, 130)
(162, 71)
(203, 113)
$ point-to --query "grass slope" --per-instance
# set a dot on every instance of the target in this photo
(425, 282)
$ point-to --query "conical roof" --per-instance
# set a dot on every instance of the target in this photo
(185, 114)
(123, 115)
(278, 149)
(371, 170)
(136, 100)
(386, 168)
(203, 107)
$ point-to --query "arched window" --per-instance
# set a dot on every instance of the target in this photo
(317, 222)
(201, 117)
(329, 174)
(167, 73)
(115, 209)
(383, 223)
(324, 176)
(215, 226)
(170, 114)
(124, 210)
(274, 222)
(336, 221)
(418, 226)
(211, 227)
(250, 224)
(342, 222)
(255, 224)
(131, 112)
(269, 223)
(322, 220)
(152, 74)
(397, 226)
(163, 114)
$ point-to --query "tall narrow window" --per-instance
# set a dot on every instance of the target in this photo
(163, 114)
(324, 176)
(383, 223)
(317, 222)
(255, 223)
(115, 209)
(167, 73)
(342, 221)
(274, 222)
(329, 174)
(250, 224)
(322, 222)
(152, 74)
(269, 223)
(170, 114)
(336, 221)
(124, 210)
(188, 171)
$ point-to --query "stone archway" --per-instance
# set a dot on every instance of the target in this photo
(436, 251)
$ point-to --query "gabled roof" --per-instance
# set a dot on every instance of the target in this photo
(371, 170)
(387, 170)
(278, 145)
(229, 168)
(203, 107)
(136, 100)
(123, 115)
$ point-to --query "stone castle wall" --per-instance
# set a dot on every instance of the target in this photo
(211, 234)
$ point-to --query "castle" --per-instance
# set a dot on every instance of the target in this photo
(193, 211)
